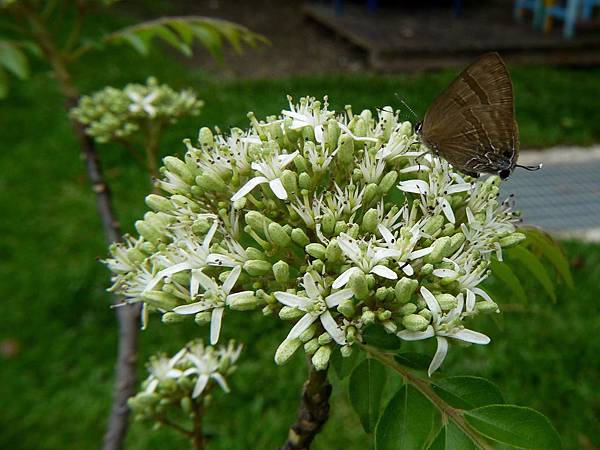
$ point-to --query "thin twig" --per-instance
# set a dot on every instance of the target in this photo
(312, 413)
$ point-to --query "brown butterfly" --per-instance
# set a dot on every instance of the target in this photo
(472, 123)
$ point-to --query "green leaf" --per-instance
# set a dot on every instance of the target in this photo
(210, 39)
(452, 438)
(503, 272)
(376, 336)
(139, 44)
(551, 251)
(14, 60)
(467, 392)
(172, 39)
(514, 425)
(413, 360)
(3, 84)
(535, 267)
(407, 421)
(365, 389)
(184, 30)
(344, 366)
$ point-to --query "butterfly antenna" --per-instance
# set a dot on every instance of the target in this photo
(530, 168)
(406, 106)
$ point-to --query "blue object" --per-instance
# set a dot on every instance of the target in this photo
(588, 8)
(568, 13)
(537, 6)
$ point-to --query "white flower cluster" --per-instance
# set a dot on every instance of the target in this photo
(185, 377)
(114, 114)
(334, 222)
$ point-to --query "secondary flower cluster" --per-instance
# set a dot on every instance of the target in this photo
(182, 380)
(114, 114)
(335, 223)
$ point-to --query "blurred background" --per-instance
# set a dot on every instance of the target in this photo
(57, 333)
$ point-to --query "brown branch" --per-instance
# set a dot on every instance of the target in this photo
(312, 413)
(128, 316)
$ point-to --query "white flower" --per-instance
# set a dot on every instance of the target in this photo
(271, 171)
(366, 258)
(308, 113)
(443, 327)
(214, 298)
(405, 244)
(142, 102)
(161, 369)
(315, 307)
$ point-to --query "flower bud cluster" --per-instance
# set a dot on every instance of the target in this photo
(175, 385)
(114, 114)
(332, 222)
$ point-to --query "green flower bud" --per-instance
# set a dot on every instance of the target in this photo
(289, 180)
(201, 226)
(384, 315)
(405, 129)
(353, 230)
(388, 181)
(447, 302)
(179, 168)
(281, 270)
(149, 232)
(487, 307)
(309, 333)
(456, 241)
(186, 405)
(512, 240)
(211, 182)
(441, 249)
(371, 192)
(345, 154)
(290, 313)
(415, 322)
(308, 134)
(328, 224)
(370, 221)
(332, 133)
(381, 293)
(278, 236)
(202, 318)
(305, 181)
(346, 351)
(317, 265)
(333, 252)
(427, 314)
(346, 308)
(358, 284)
(300, 237)
(243, 302)
(324, 338)
(340, 227)
(160, 300)
(285, 350)
(368, 317)
(257, 221)
(311, 346)
(427, 269)
(240, 203)
(257, 267)
(321, 357)
(159, 203)
(316, 250)
(433, 224)
(171, 317)
(300, 163)
(205, 137)
(409, 308)
(405, 288)
(135, 255)
(254, 253)
(389, 326)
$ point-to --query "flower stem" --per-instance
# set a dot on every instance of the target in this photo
(312, 413)
(196, 435)
(424, 386)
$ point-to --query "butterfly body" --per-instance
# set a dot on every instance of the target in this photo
(472, 123)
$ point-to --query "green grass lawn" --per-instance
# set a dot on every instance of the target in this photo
(55, 392)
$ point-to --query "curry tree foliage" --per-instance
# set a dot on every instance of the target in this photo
(345, 228)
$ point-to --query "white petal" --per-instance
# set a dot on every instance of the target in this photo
(445, 273)
(192, 308)
(447, 209)
(343, 279)
(220, 380)
(310, 286)
(356, 138)
(209, 235)
(420, 253)
(278, 189)
(416, 335)
(482, 294)
(350, 248)
(251, 140)
(167, 272)
(301, 326)
(152, 386)
(416, 168)
(332, 328)
(216, 259)
(200, 385)
(432, 303)
(207, 283)
(414, 186)
(384, 272)
(440, 355)
(470, 216)
(319, 134)
(294, 301)
(338, 297)
(231, 279)
(470, 300)
(382, 253)
(471, 336)
(408, 269)
(387, 234)
(215, 324)
(461, 187)
(232, 297)
(194, 282)
(247, 188)
(284, 159)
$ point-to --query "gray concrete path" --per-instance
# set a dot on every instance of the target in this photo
(564, 196)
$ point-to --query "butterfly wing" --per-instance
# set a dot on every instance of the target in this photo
(472, 123)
